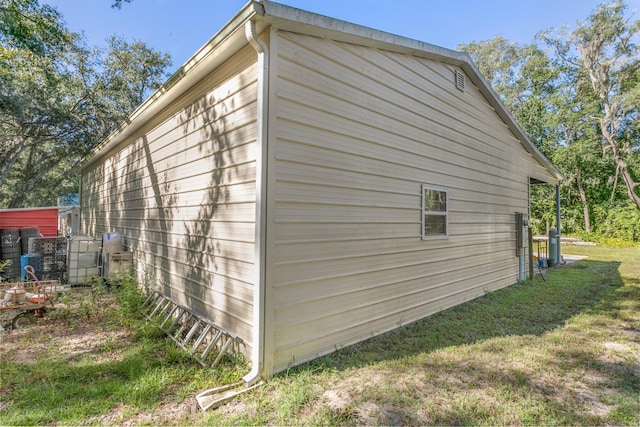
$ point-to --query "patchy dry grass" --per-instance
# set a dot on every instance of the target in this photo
(85, 363)
(565, 351)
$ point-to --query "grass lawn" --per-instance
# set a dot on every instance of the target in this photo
(565, 351)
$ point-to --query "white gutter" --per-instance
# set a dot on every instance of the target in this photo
(217, 396)
(257, 358)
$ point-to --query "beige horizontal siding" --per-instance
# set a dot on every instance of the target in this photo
(403, 287)
(305, 340)
(322, 247)
(358, 131)
(182, 194)
(299, 272)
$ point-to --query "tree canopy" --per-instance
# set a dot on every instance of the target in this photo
(576, 95)
(59, 98)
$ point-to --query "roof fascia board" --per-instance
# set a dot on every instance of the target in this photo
(298, 20)
(217, 50)
(302, 21)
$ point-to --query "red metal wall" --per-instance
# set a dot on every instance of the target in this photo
(44, 218)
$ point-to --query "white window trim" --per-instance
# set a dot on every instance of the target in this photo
(445, 213)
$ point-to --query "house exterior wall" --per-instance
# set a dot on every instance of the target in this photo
(355, 132)
(181, 192)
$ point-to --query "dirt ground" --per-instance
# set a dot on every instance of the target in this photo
(81, 338)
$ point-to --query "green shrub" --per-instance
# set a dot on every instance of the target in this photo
(613, 242)
(612, 224)
(617, 222)
(572, 219)
(129, 299)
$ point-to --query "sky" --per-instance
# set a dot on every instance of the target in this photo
(182, 27)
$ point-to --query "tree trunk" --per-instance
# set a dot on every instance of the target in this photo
(615, 184)
(628, 180)
(602, 53)
(621, 165)
(583, 199)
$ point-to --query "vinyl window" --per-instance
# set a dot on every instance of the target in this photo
(435, 206)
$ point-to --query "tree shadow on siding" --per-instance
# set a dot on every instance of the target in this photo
(119, 207)
(208, 118)
(182, 246)
(159, 222)
(119, 190)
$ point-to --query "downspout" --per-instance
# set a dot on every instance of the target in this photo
(212, 398)
(257, 357)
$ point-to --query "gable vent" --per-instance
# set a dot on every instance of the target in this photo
(460, 80)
